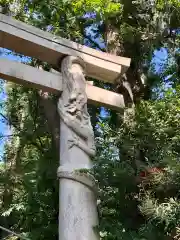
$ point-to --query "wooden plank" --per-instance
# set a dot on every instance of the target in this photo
(52, 82)
(33, 42)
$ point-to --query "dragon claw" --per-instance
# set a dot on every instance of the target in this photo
(72, 142)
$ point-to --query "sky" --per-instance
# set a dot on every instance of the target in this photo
(159, 57)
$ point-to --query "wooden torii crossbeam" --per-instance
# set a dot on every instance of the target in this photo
(77, 212)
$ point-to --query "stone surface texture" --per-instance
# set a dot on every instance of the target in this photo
(78, 209)
(52, 82)
(33, 42)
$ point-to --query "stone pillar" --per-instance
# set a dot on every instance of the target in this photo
(78, 211)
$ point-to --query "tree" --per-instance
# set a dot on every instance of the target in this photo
(141, 197)
(132, 206)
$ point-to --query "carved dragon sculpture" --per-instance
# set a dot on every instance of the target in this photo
(72, 105)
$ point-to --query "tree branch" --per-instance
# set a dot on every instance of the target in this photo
(94, 43)
(9, 135)
(13, 233)
(2, 115)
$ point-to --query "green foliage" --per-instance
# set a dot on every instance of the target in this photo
(151, 140)
(161, 4)
(103, 8)
(130, 207)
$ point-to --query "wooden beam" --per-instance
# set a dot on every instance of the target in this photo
(52, 82)
(33, 42)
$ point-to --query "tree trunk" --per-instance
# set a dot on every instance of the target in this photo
(52, 116)
(130, 85)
